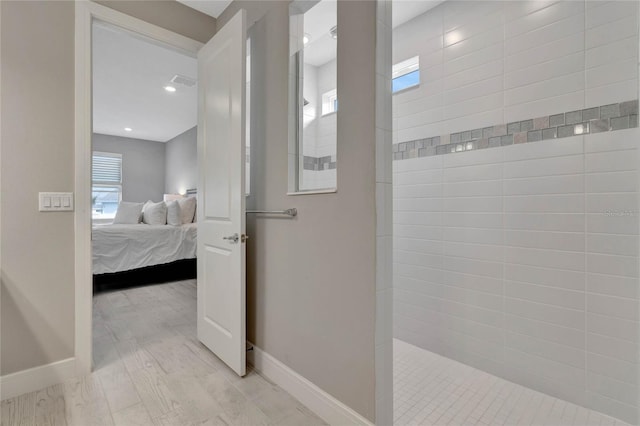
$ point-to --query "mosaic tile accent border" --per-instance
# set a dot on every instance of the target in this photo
(320, 163)
(606, 118)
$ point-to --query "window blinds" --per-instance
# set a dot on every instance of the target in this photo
(107, 168)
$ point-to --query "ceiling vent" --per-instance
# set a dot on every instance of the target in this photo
(183, 80)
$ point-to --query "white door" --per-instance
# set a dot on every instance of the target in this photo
(221, 201)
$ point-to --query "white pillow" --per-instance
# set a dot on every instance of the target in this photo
(128, 213)
(154, 213)
(174, 217)
(187, 209)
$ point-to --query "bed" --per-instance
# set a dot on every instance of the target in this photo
(130, 255)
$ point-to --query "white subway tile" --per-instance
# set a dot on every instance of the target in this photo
(418, 231)
(418, 245)
(473, 267)
(616, 369)
(473, 106)
(613, 141)
(473, 220)
(624, 245)
(570, 280)
(545, 15)
(472, 204)
(613, 285)
(547, 295)
(417, 191)
(546, 367)
(609, 13)
(572, 261)
(619, 50)
(572, 24)
(546, 149)
(475, 160)
(613, 223)
(570, 222)
(610, 94)
(550, 88)
(564, 164)
(545, 106)
(472, 90)
(472, 235)
(565, 65)
(472, 189)
(573, 357)
(545, 52)
(569, 184)
(541, 312)
(614, 161)
(611, 32)
(472, 282)
(617, 307)
(612, 182)
(418, 204)
(474, 59)
(569, 203)
(571, 241)
(628, 413)
(544, 330)
(610, 73)
(612, 347)
(474, 251)
(612, 326)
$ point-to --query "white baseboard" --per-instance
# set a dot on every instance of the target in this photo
(37, 378)
(321, 403)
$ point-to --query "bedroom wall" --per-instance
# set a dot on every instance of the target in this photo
(37, 86)
(143, 166)
(181, 162)
(317, 320)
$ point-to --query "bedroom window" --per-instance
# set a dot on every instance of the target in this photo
(405, 75)
(106, 184)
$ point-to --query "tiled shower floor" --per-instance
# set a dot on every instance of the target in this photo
(430, 389)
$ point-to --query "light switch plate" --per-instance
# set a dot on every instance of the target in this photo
(55, 201)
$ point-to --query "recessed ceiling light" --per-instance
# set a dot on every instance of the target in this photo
(170, 89)
(128, 129)
(333, 32)
(306, 38)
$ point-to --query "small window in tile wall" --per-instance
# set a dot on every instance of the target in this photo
(329, 102)
(406, 74)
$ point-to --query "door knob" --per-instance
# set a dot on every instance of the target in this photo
(233, 239)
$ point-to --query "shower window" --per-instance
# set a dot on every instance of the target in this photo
(406, 74)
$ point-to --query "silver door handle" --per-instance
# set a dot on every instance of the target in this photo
(233, 239)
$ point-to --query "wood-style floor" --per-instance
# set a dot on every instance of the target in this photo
(150, 369)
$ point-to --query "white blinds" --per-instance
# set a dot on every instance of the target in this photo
(107, 168)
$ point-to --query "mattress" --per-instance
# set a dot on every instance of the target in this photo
(118, 248)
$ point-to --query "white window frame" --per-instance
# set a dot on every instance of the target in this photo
(406, 67)
(106, 183)
(330, 102)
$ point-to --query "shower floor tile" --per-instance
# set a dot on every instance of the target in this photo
(430, 389)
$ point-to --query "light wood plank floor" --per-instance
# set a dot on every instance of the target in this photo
(150, 369)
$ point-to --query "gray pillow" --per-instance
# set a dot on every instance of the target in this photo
(174, 217)
(128, 213)
(154, 213)
(187, 209)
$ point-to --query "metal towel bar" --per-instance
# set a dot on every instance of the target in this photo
(289, 212)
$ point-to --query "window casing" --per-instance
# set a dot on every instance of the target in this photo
(106, 184)
(405, 75)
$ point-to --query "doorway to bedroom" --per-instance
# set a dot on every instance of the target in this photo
(143, 200)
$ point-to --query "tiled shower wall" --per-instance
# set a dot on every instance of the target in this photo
(522, 260)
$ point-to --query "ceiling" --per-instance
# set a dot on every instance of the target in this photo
(210, 7)
(129, 75)
(318, 20)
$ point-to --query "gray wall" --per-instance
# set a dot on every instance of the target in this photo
(143, 166)
(37, 60)
(311, 280)
(181, 162)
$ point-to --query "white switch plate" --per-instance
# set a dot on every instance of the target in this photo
(55, 201)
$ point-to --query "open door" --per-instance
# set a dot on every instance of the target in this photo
(221, 200)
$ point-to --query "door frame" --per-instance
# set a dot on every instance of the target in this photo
(85, 13)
